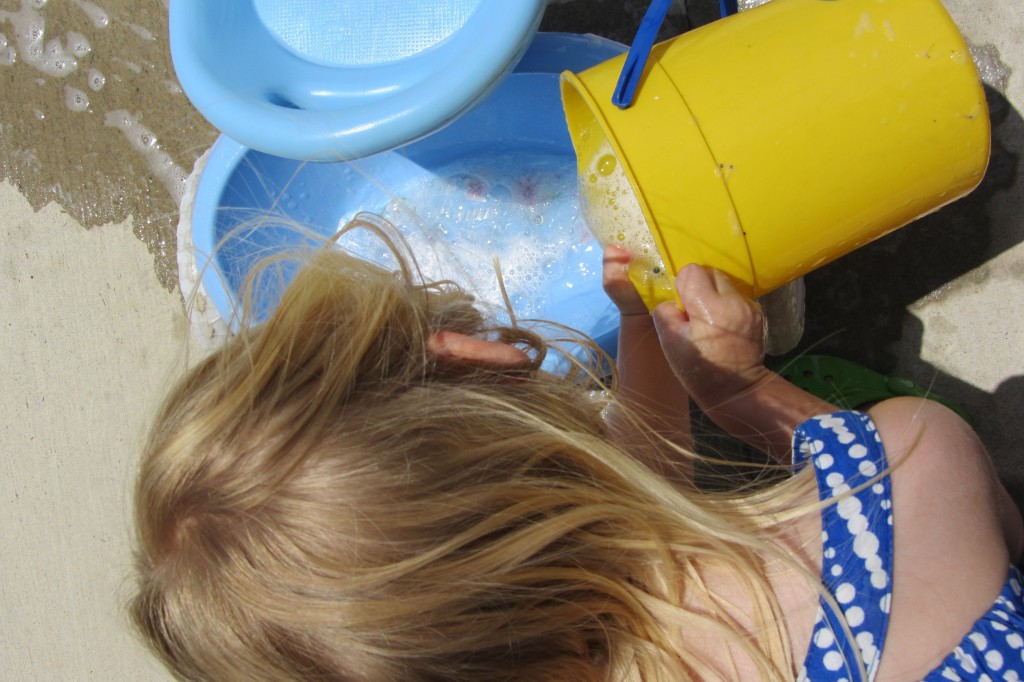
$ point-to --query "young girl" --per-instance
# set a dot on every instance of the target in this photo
(378, 484)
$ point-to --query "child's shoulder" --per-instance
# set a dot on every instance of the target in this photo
(953, 529)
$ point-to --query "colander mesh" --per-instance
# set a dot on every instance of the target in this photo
(363, 32)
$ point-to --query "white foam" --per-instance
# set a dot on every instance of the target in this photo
(473, 211)
(96, 80)
(78, 44)
(142, 32)
(75, 99)
(615, 217)
(48, 56)
(99, 16)
(132, 66)
(143, 140)
(990, 66)
(8, 55)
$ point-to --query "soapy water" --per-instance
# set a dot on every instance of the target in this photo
(615, 217)
(468, 218)
(991, 69)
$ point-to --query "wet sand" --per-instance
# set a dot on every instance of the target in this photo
(93, 118)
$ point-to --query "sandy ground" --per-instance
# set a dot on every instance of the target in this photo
(94, 328)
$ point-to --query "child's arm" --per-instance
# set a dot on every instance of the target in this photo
(716, 347)
(647, 385)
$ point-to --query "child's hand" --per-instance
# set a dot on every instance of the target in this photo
(615, 280)
(646, 385)
(715, 347)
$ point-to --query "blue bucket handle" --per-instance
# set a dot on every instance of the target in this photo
(640, 50)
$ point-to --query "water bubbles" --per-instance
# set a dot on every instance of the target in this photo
(142, 32)
(132, 66)
(160, 164)
(8, 55)
(78, 44)
(75, 99)
(475, 188)
(96, 80)
(520, 208)
(554, 268)
(614, 215)
(991, 68)
(51, 57)
(98, 15)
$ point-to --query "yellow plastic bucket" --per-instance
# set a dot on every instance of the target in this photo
(773, 141)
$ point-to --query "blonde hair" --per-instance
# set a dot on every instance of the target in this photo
(321, 500)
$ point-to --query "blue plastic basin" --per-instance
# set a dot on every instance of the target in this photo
(501, 179)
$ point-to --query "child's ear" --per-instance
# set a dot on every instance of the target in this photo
(453, 348)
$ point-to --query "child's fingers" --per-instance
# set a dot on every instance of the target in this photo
(617, 254)
(615, 269)
(616, 283)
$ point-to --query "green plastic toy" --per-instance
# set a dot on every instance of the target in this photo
(850, 385)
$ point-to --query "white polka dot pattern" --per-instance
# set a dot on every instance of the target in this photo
(857, 544)
(856, 567)
(994, 648)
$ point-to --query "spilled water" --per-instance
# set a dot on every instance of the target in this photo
(93, 118)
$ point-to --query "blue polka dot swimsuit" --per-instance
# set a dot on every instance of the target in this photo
(846, 453)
